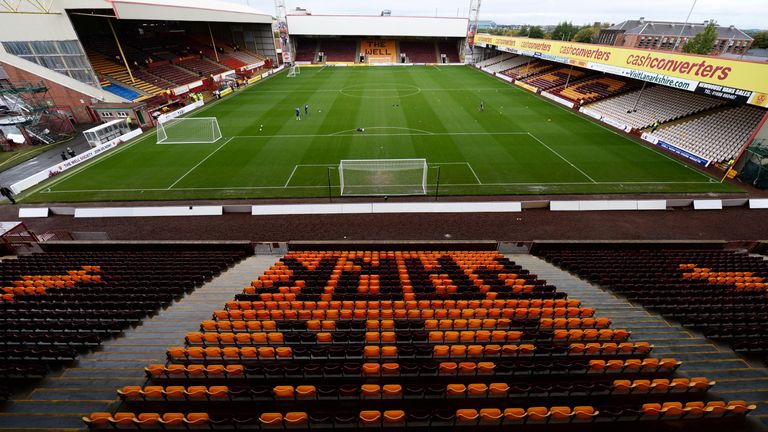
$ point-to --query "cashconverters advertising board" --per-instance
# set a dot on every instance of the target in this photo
(732, 79)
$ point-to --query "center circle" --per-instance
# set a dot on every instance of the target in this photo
(380, 91)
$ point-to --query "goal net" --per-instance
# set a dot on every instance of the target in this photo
(293, 71)
(376, 177)
(191, 130)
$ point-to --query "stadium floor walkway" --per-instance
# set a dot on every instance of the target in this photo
(737, 378)
(58, 402)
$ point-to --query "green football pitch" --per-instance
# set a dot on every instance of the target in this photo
(520, 143)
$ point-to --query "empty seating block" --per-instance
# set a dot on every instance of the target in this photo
(660, 103)
(527, 69)
(556, 78)
(419, 51)
(338, 50)
(593, 90)
(56, 304)
(416, 340)
(718, 292)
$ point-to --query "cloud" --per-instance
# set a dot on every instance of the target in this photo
(741, 13)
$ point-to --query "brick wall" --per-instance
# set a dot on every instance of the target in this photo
(65, 98)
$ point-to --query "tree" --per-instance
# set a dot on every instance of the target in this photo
(535, 32)
(761, 40)
(586, 35)
(564, 31)
(704, 42)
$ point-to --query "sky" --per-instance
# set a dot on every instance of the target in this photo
(746, 14)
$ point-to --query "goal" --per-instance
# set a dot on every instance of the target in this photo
(190, 130)
(293, 71)
(377, 177)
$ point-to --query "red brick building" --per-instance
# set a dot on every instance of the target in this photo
(664, 35)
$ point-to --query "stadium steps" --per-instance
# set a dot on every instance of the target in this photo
(58, 402)
(736, 377)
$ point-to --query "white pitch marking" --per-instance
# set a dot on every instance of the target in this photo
(295, 167)
(474, 173)
(563, 158)
(200, 163)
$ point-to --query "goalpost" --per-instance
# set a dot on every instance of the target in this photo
(293, 71)
(378, 177)
(189, 130)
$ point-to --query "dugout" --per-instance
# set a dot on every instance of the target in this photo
(106, 132)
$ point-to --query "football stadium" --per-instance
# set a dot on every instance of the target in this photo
(215, 217)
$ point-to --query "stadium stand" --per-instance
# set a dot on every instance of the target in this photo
(418, 51)
(247, 57)
(231, 63)
(202, 66)
(55, 305)
(507, 64)
(425, 340)
(173, 73)
(306, 50)
(338, 50)
(556, 78)
(143, 81)
(656, 103)
(494, 60)
(450, 50)
(720, 293)
(595, 89)
(527, 69)
(719, 136)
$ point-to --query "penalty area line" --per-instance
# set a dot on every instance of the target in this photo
(474, 173)
(200, 163)
(563, 158)
(295, 167)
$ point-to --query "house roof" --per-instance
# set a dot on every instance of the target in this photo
(666, 28)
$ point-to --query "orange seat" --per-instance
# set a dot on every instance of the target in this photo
(370, 390)
(283, 392)
(394, 416)
(455, 390)
(369, 417)
(197, 419)
(560, 414)
(515, 415)
(173, 419)
(477, 390)
(306, 392)
(271, 419)
(392, 390)
(537, 414)
(296, 419)
(124, 419)
(130, 392)
(174, 392)
(98, 419)
(584, 413)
